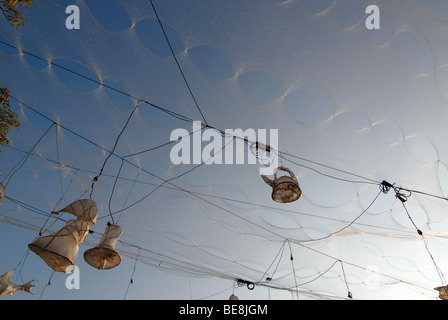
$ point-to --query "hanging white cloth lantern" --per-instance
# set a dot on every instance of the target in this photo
(7, 287)
(104, 255)
(2, 192)
(60, 249)
(84, 209)
(284, 189)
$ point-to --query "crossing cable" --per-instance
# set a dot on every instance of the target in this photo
(113, 150)
(177, 62)
(403, 195)
(25, 158)
(419, 192)
(348, 225)
(384, 185)
(134, 165)
(210, 195)
(226, 276)
(167, 111)
(399, 194)
(163, 183)
(185, 118)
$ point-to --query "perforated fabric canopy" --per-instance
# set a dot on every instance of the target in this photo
(361, 116)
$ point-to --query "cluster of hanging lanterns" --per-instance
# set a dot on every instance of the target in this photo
(59, 250)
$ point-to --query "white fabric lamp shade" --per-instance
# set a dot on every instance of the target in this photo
(60, 249)
(84, 209)
(104, 255)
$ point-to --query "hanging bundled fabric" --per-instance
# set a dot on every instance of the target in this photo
(7, 287)
(443, 292)
(284, 189)
(2, 192)
(60, 249)
(84, 209)
(104, 255)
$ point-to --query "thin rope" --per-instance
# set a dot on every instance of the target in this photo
(177, 62)
(23, 160)
(131, 281)
(113, 149)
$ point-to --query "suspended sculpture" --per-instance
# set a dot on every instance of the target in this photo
(84, 209)
(284, 189)
(7, 287)
(2, 192)
(104, 255)
(443, 292)
(60, 249)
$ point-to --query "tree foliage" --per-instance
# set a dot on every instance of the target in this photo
(11, 12)
(8, 118)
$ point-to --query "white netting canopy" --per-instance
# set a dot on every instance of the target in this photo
(361, 116)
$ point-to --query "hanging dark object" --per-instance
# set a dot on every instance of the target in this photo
(248, 284)
(104, 255)
(284, 189)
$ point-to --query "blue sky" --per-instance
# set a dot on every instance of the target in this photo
(353, 107)
(112, 284)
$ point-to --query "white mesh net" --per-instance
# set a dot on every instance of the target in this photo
(353, 107)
